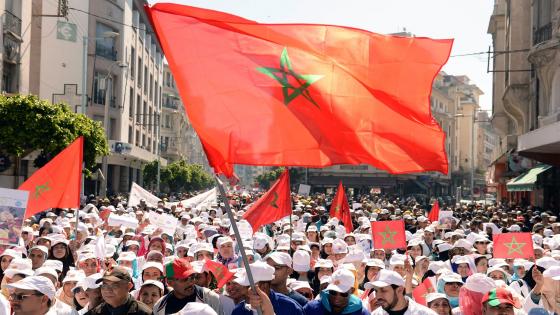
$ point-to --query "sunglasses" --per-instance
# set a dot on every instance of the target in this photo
(21, 297)
(335, 293)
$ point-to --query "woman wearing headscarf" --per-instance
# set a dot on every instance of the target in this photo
(450, 284)
(524, 285)
(60, 251)
(438, 303)
(470, 295)
(550, 294)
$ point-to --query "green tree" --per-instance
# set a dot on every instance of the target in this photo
(266, 179)
(178, 176)
(150, 173)
(29, 124)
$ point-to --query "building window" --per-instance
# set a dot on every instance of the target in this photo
(130, 134)
(102, 83)
(543, 21)
(132, 63)
(131, 104)
(145, 120)
(146, 80)
(137, 138)
(105, 46)
(139, 78)
(151, 87)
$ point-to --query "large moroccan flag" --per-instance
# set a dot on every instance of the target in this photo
(388, 234)
(274, 205)
(433, 216)
(58, 183)
(513, 245)
(340, 208)
(303, 94)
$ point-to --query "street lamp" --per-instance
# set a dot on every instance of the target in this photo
(104, 85)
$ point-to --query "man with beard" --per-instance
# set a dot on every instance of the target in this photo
(390, 296)
(182, 278)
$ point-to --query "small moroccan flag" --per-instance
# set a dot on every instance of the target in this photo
(419, 293)
(274, 205)
(513, 245)
(58, 183)
(340, 208)
(220, 272)
(388, 234)
(433, 216)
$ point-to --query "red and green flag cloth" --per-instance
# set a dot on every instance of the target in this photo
(58, 183)
(220, 272)
(274, 205)
(388, 234)
(341, 209)
(307, 95)
(422, 290)
(513, 245)
(433, 216)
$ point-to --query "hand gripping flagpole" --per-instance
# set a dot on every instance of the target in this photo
(237, 237)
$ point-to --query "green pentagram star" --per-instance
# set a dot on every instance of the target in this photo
(282, 74)
(40, 189)
(388, 236)
(336, 209)
(514, 246)
(273, 202)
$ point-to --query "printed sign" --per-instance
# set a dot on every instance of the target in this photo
(166, 222)
(12, 209)
(304, 190)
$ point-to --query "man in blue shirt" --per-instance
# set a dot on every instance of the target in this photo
(263, 275)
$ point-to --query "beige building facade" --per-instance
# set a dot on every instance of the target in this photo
(526, 103)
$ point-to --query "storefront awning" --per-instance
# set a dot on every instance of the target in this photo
(527, 181)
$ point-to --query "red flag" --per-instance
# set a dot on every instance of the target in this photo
(272, 206)
(419, 293)
(303, 94)
(57, 184)
(388, 234)
(433, 216)
(340, 208)
(513, 245)
(220, 272)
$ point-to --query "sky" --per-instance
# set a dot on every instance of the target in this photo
(466, 21)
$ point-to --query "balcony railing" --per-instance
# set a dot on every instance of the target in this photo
(11, 23)
(542, 34)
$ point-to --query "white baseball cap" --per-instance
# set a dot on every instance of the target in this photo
(324, 263)
(301, 261)
(280, 258)
(11, 252)
(452, 277)
(339, 246)
(385, 278)
(46, 270)
(434, 296)
(197, 308)
(153, 264)
(552, 272)
(342, 280)
(261, 272)
(374, 262)
(156, 283)
(223, 240)
(74, 275)
(259, 241)
(37, 283)
(126, 256)
(42, 248)
(55, 264)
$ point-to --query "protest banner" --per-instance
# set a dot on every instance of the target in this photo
(304, 190)
(138, 193)
(166, 222)
(12, 210)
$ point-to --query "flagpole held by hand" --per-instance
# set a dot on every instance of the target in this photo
(237, 237)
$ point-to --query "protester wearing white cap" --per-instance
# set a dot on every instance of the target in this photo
(32, 295)
(38, 255)
(151, 291)
(282, 264)
(261, 244)
(439, 303)
(88, 263)
(390, 296)
(263, 274)
(338, 297)
(301, 264)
